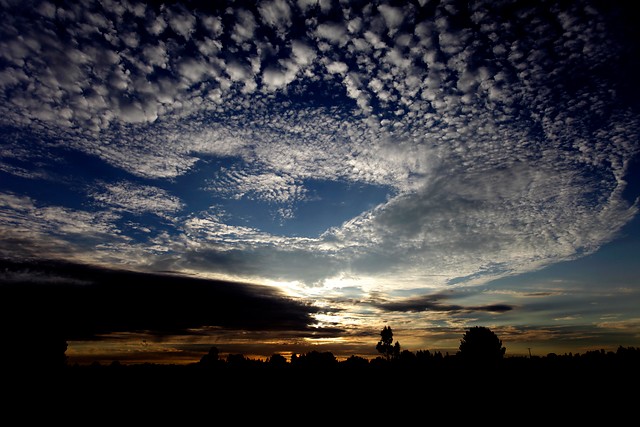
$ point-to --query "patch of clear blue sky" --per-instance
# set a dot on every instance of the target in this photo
(63, 178)
(327, 203)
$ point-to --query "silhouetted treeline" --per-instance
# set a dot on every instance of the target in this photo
(479, 366)
(317, 384)
(598, 380)
(623, 357)
(480, 350)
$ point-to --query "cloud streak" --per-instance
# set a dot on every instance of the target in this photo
(502, 137)
(432, 303)
(138, 199)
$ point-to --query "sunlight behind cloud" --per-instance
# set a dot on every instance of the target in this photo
(351, 154)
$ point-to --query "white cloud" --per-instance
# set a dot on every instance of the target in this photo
(16, 203)
(355, 25)
(238, 71)
(306, 4)
(302, 52)
(334, 32)
(486, 156)
(337, 67)
(276, 78)
(213, 24)
(49, 231)
(47, 9)
(374, 40)
(245, 26)
(156, 55)
(138, 199)
(393, 16)
(277, 14)
(268, 186)
(157, 26)
(182, 22)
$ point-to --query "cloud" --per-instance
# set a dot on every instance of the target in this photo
(268, 186)
(393, 16)
(138, 199)
(182, 22)
(495, 167)
(34, 230)
(335, 32)
(23, 216)
(467, 224)
(116, 301)
(337, 67)
(245, 26)
(276, 14)
(262, 261)
(432, 303)
(302, 52)
(276, 77)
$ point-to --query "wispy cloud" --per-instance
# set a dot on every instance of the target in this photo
(506, 151)
(266, 186)
(138, 199)
(433, 303)
(33, 230)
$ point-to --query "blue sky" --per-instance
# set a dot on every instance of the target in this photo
(428, 165)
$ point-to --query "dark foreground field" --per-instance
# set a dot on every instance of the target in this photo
(540, 391)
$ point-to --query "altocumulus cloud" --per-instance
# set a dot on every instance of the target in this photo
(136, 198)
(502, 136)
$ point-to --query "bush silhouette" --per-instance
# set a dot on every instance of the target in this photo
(277, 360)
(480, 345)
(211, 358)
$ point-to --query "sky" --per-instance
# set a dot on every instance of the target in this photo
(293, 175)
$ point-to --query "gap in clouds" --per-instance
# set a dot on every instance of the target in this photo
(329, 204)
(62, 177)
(231, 187)
(335, 202)
(631, 192)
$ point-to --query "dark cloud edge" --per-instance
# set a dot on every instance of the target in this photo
(431, 303)
(84, 302)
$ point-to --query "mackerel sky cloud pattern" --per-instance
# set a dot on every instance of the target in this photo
(497, 136)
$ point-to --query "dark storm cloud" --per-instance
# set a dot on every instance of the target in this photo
(432, 303)
(82, 302)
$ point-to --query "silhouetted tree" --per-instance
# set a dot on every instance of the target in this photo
(211, 358)
(480, 344)
(315, 359)
(277, 360)
(385, 345)
(237, 360)
(356, 362)
(407, 357)
(423, 355)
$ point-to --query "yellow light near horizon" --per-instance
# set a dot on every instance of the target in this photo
(294, 288)
(328, 319)
(325, 340)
